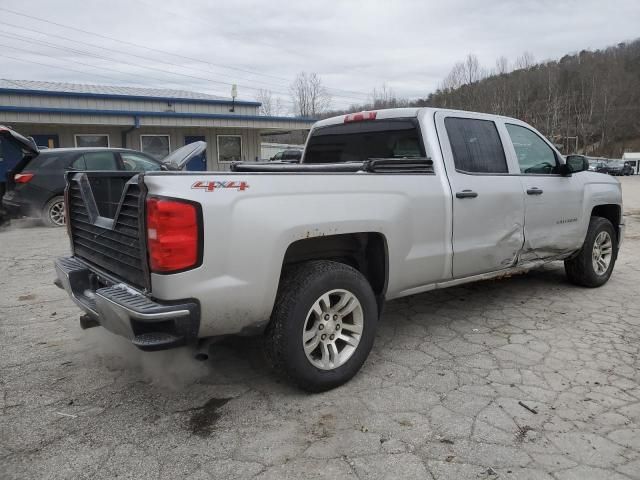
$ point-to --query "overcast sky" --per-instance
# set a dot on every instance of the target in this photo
(353, 45)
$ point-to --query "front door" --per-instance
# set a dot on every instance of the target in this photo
(199, 163)
(488, 204)
(553, 203)
(48, 141)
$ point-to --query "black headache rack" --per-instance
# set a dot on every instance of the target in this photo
(372, 165)
(105, 221)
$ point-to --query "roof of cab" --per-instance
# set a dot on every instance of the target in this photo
(403, 113)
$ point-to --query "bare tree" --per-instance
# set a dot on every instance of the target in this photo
(455, 78)
(309, 95)
(265, 97)
(502, 65)
(525, 61)
(384, 97)
(472, 69)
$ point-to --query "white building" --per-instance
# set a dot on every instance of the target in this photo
(152, 120)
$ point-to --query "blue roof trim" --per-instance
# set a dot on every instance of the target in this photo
(136, 113)
(119, 96)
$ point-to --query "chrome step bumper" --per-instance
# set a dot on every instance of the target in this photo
(150, 325)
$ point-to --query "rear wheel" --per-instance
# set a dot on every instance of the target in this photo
(592, 266)
(53, 212)
(323, 325)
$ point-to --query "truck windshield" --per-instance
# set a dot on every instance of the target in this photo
(359, 141)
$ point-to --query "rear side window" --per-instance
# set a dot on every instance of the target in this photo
(359, 141)
(100, 161)
(476, 145)
(138, 163)
(46, 162)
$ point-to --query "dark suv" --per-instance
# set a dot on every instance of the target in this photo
(289, 156)
(35, 187)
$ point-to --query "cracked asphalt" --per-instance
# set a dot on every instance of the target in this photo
(527, 377)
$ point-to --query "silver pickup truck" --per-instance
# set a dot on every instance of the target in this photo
(384, 204)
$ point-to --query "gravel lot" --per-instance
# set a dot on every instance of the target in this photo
(438, 398)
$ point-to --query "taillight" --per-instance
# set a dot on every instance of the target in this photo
(22, 177)
(360, 117)
(173, 235)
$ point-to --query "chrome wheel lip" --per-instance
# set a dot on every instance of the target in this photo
(56, 213)
(602, 253)
(333, 329)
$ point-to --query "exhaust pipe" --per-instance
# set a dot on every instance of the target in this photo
(201, 352)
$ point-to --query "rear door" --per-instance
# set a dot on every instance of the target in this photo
(553, 203)
(488, 203)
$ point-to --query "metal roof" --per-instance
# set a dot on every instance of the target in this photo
(36, 87)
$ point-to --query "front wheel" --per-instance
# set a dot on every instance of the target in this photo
(322, 326)
(53, 212)
(593, 264)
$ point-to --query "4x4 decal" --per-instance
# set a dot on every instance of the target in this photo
(214, 185)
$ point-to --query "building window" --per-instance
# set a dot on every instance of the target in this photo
(229, 148)
(158, 146)
(92, 140)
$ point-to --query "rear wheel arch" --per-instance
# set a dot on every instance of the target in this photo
(367, 252)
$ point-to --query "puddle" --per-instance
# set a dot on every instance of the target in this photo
(204, 418)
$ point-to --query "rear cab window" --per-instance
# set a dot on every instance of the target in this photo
(359, 141)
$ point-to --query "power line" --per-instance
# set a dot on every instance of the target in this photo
(164, 52)
(84, 64)
(93, 45)
(179, 13)
(102, 57)
(58, 67)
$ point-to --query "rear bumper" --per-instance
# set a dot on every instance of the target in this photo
(13, 208)
(150, 325)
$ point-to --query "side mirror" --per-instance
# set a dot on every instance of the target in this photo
(577, 163)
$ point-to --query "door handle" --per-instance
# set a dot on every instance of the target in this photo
(534, 191)
(466, 194)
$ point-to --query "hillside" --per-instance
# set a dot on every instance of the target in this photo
(592, 95)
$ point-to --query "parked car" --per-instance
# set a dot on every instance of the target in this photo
(289, 156)
(619, 167)
(597, 167)
(383, 205)
(35, 186)
(614, 167)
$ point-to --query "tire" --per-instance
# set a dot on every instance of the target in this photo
(293, 323)
(53, 212)
(581, 269)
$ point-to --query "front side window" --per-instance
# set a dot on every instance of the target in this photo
(138, 163)
(158, 146)
(476, 145)
(100, 161)
(534, 155)
(87, 141)
(229, 148)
